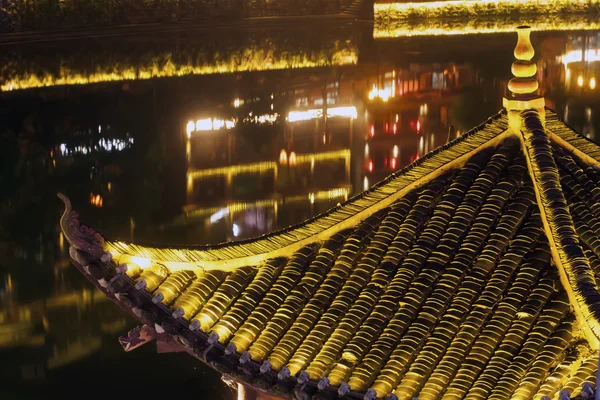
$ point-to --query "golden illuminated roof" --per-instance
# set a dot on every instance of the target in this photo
(470, 274)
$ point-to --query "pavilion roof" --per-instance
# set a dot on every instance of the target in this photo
(472, 273)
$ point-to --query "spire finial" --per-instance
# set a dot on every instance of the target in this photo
(524, 85)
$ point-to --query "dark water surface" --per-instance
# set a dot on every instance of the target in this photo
(310, 118)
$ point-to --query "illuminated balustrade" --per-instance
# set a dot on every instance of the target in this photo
(218, 213)
(394, 20)
(573, 56)
(332, 112)
(166, 65)
(266, 166)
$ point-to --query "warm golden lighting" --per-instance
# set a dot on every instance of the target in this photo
(395, 151)
(293, 158)
(96, 200)
(580, 81)
(61, 241)
(190, 128)
(592, 83)
(169, 65)
(366, 183)
(573, 56)
(204, 124)
(391, 25)
(234, 170)
(266, 166)
(295, 116)
(383, 94)
(324, 156)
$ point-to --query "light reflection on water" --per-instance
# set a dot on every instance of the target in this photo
(300, 140)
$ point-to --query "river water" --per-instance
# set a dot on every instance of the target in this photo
(202, 137)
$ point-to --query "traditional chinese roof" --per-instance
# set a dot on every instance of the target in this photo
(472, 273)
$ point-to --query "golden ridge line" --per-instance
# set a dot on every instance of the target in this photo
(547, 216)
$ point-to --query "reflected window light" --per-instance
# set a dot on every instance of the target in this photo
(573, 56)
(372, 130)
(324, 138)
(396, 118)
(219, 215)
(593, 83)
(366, 149)
(395, 129)
(395, 151)
(349, 112)
(204, 124)
(311, 198)
(283, 157)
(418, 126)
(292, 158)
(96, 200)
(365, 183)
(217, 124)
(190, 128)
(236, 230)
(580, 81)
(370, 165)
(236, 102)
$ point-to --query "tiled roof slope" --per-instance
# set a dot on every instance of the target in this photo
(479, 281)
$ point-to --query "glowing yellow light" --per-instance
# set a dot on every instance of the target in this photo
(324, 156)
(292, 158)
(166, 65)
(265, 166)
(96, 200)
(311, 197)
(395, 151)
(295, 116)
(349, 112)
(395, 23)
(61, 241)
(234, 170)
(580, 81)
(365, 183)
(383, 94)
(593, 83)
(573, 56)
(568, 73)
(141, 261)
(366, 149)
(283, 157)
(236, 103)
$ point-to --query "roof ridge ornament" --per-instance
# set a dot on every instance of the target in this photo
(524, 85)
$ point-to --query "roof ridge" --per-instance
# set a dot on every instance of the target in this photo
(575, 272)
